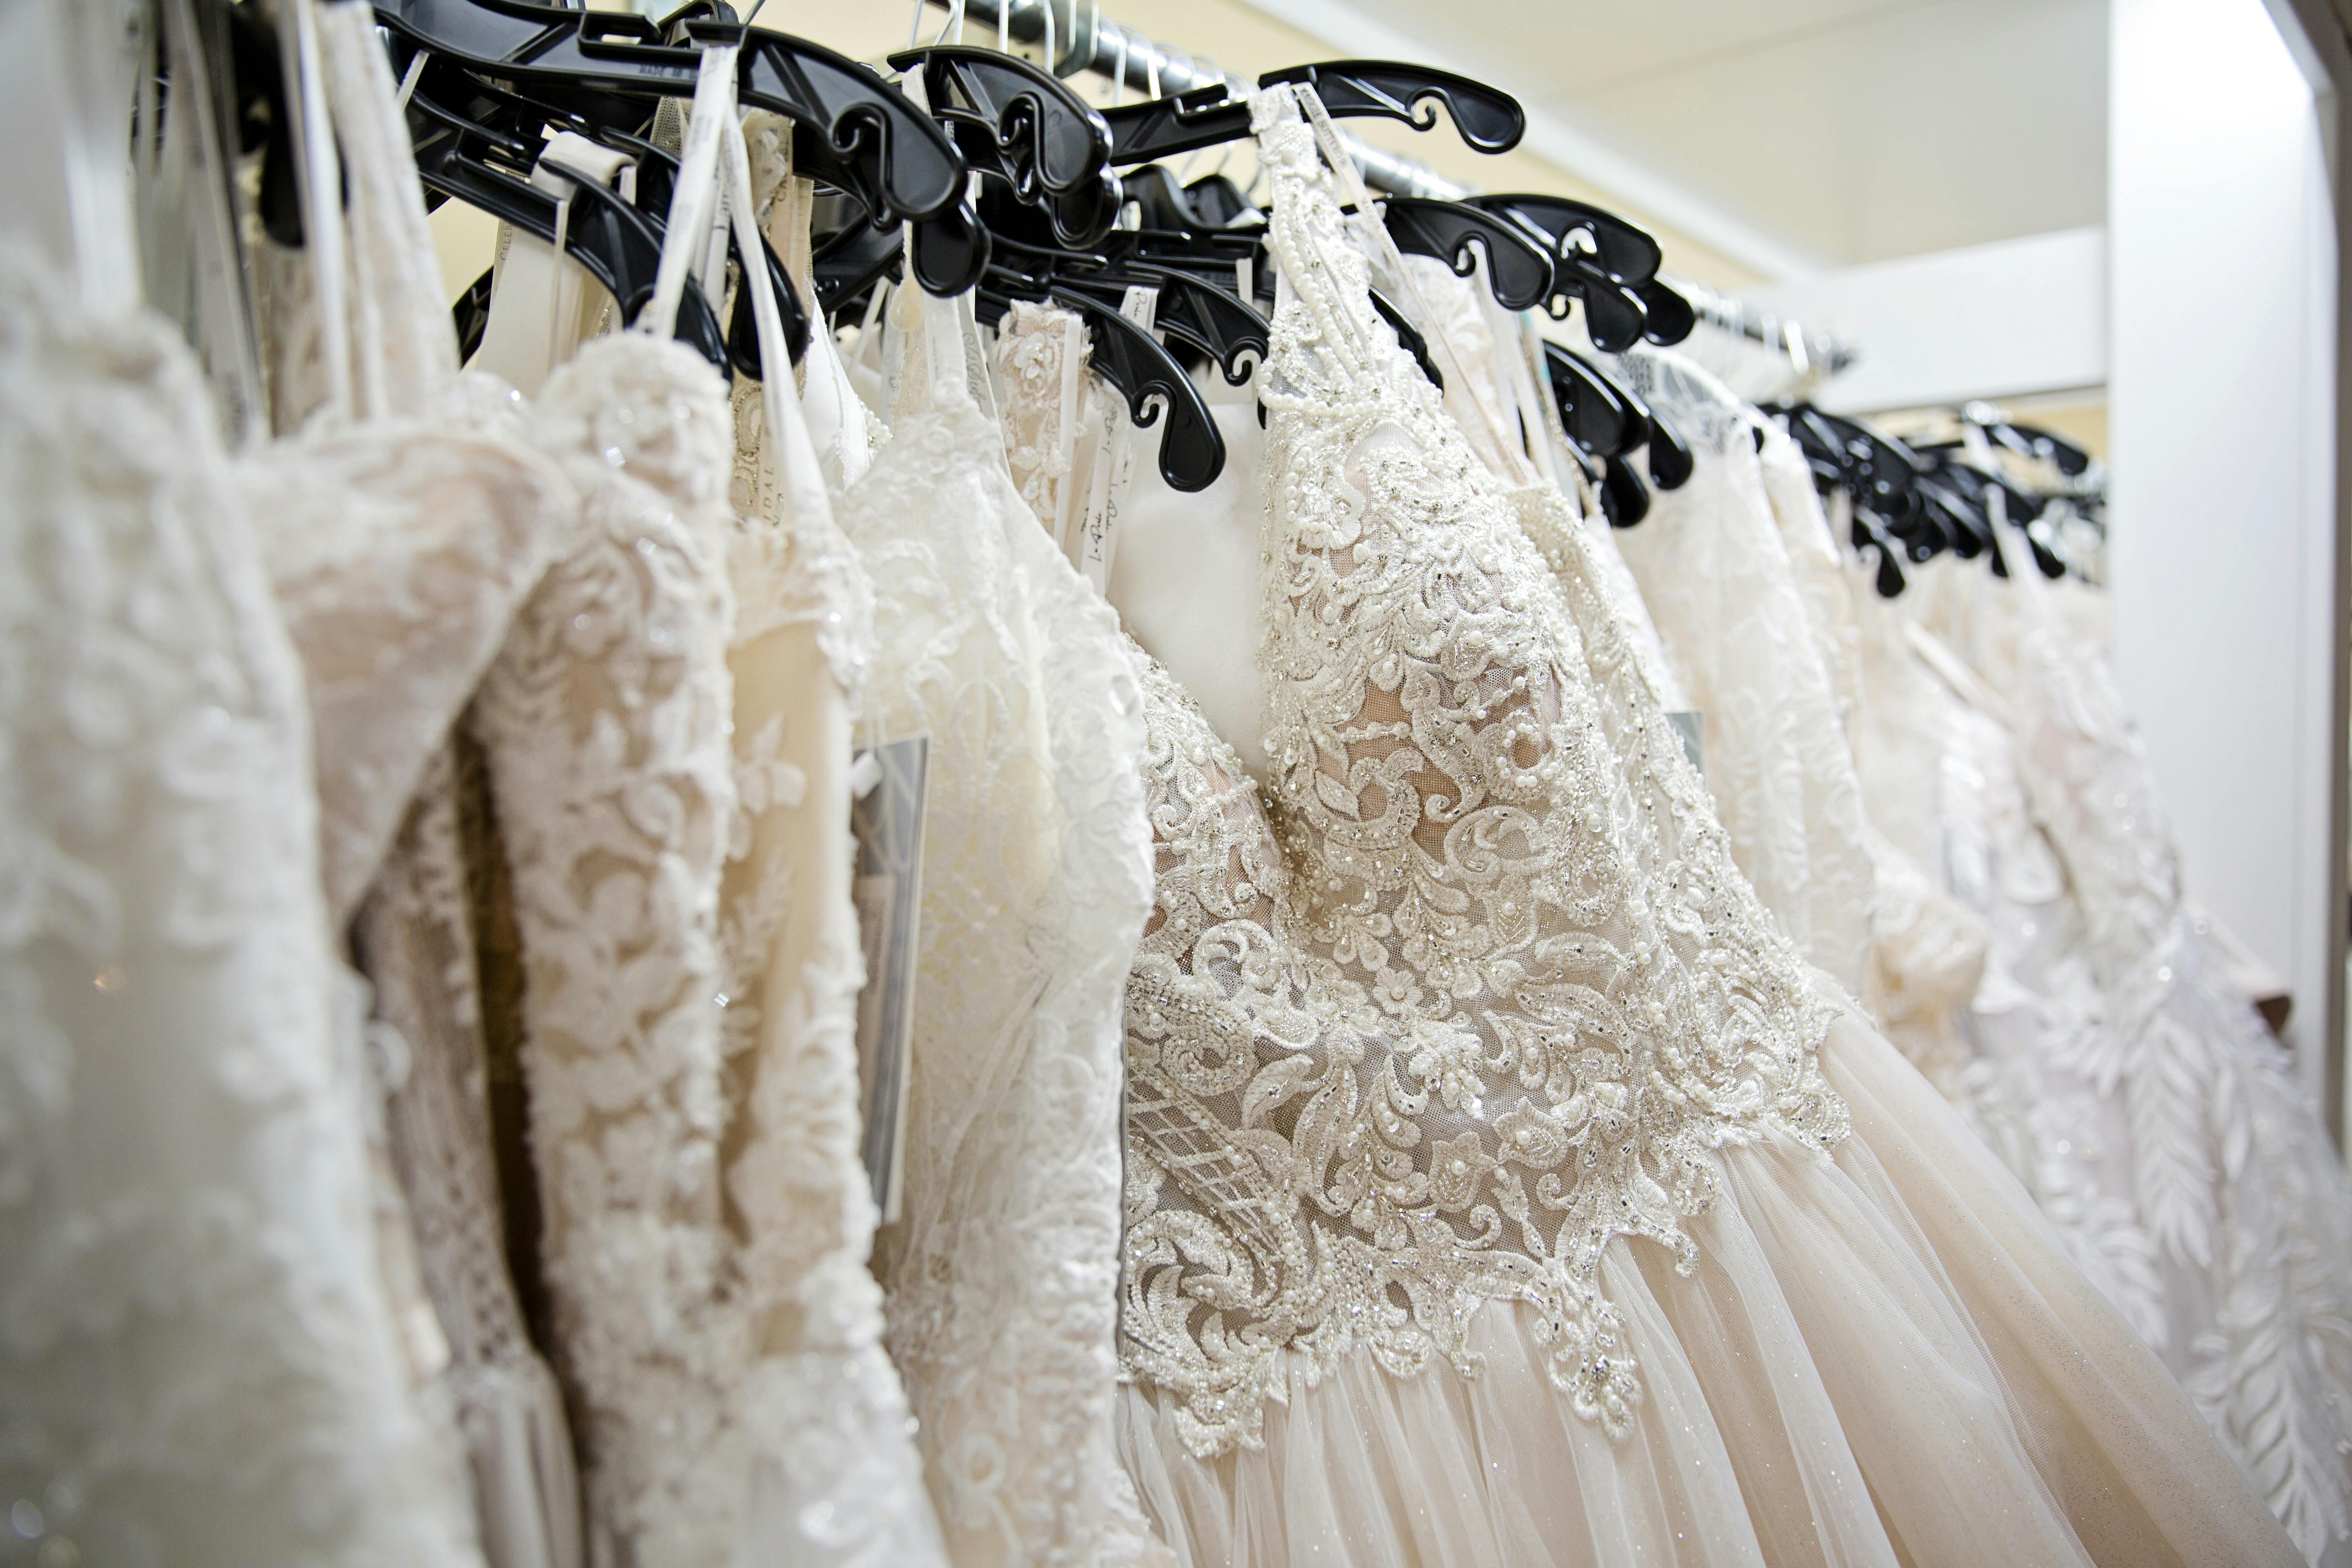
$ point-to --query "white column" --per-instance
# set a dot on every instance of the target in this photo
(2222, 245)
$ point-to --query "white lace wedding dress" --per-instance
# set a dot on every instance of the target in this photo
(1002, 1278)
(1467, 1043)
(202, 1363)
(845, 1482)
(1926, 950)
(402, 533)
(2230, 1170)
(1716, 575)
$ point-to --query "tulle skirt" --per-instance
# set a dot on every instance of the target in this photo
(1883, 1357)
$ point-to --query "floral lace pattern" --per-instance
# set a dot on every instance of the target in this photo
(198, 1360)
(1041, 365)
(2232, 1174)
(1541, 992)
(1002, 1278)
(603, 721)
(1723, 593)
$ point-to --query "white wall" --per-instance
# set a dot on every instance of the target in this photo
(2005, 319)
(2221, 255)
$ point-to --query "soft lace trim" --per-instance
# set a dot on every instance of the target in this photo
(1521, 940)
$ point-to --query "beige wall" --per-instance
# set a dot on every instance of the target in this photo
(1238, 37)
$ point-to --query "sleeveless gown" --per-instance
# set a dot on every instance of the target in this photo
(1465, 1042)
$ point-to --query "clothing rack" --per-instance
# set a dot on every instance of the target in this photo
(1811, 352)
(1083, 40)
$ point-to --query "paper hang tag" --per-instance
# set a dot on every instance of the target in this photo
(1114, 467)
(885, 814)
(1690, 724)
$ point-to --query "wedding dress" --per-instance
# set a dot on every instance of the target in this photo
(1927, 952)
(1466, 1042)
(1001, 1276)
(847, 1483)
(402, 533)
(1717, 578)
(2232, 1174)
(604, 723)
(201, 1362)
(2032, 1025)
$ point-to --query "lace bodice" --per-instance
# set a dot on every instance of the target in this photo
(1537, 996)
(201, 1359)
(1001, 1276)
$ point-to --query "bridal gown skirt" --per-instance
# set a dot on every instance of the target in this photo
(1883, 1357)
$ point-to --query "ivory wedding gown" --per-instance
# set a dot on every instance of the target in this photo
(401, 544)
(1715, 576)
(202, 1363)
(2224, 1160)
(1466, 1042)
(1001, 1276)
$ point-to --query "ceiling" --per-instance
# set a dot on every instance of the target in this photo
(1833, 132)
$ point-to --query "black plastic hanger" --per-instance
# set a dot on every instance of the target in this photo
(852, 129)
(1609, 264)
(1670, 463)
(1487, 119)
(1518, 274)
(1594, 411)
(2032, 441)
(1197, 307)
(1022, 123)
(488, 107)
(1191, 447)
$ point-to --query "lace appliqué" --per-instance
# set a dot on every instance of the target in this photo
(1041, 359)
(604, 723)
(1503, 871)
(2234, 1174)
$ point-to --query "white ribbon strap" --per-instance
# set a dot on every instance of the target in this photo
(692, 204)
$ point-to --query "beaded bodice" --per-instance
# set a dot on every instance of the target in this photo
(1473, 989)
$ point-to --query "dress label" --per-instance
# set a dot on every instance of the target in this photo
(886, 817)
(1114, 469)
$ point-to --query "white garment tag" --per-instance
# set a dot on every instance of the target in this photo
(977, 383)
(885, 818)
(1114, 467)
